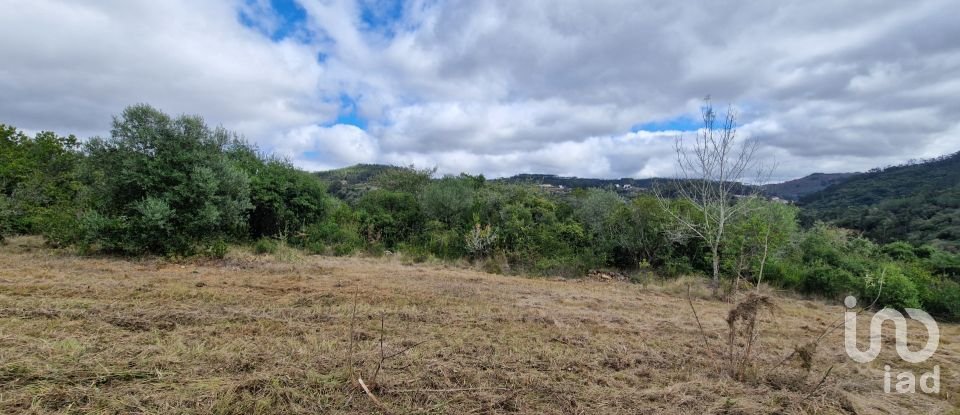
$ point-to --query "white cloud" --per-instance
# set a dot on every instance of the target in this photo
(70, 65)
(502, 87)
(329, 147)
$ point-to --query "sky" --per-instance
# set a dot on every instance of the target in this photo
(598, 88)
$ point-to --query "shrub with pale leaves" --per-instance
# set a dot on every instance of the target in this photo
(479, 240)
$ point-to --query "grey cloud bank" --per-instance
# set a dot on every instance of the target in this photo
(502, 87)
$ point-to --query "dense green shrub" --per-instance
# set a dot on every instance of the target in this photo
(285, 199)
(942, 298)
(533, 230)
(165, 185)
(900, 251)
(265, 246)
(338, 234)
(833, 263)
(218, 249)
(760, 234)
(6, 217)
(829, 281)
(389, 217)
(897, 291)
(606, 219)
(443, 242)
(38, 180)
(449, 200)
(942, 263)
(786, 273)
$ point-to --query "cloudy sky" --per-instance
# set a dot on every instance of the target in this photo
(595, 88)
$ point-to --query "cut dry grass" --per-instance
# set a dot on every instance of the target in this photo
(252, 334)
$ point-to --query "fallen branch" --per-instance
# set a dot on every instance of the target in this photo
(702, 333)
(822, 380)
(353, 322)
(372, 396)
(382, 358)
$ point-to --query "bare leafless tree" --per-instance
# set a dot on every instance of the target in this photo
(711, 172)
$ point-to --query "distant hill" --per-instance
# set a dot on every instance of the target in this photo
(625, 186)
(359, 173)
(349, 183)
(794, 190)
(919, 203)
(577, 182)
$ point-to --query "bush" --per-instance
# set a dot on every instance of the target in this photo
(942, 298)
(785, 273)
(444, 242)
(265, 246)
(536, 233)
(165, 185)
(897, 292)
(676, 266)
(389, 217)
(829, 281)
(449, 200)
(38, 180)
(943, 263)
(342, 239)
(567, 267)
(414, 253)
(218, 249)
(479, 241)
(284, 199)
(339, 232)
(6, 217)
(899, 250)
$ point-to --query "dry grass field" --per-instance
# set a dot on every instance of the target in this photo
(261, 335)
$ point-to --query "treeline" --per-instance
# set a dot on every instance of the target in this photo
(174, 186)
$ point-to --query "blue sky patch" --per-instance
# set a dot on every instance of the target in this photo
(681, 123)
(380, 15)
(286, 18)
(348, 113)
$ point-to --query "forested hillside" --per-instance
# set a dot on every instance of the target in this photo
(796, 189)
(918, 203)
(349, 183)
(359, 173)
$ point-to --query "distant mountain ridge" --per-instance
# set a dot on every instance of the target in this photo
(796, 189)
(574, 182)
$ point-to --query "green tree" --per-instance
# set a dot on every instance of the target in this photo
(165, 185)
(6, 217)
(449, 200)
(404, 179)
(38, 177)
(389, 217)
(754, 237)
(711, 170)
(285, 199)
(540, 234)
